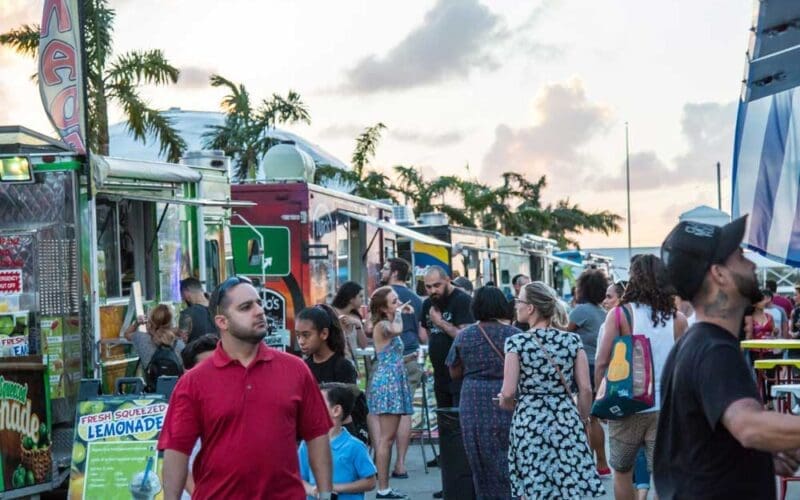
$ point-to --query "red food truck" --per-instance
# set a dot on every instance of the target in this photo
(302, 241)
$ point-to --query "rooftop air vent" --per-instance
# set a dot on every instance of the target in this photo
(433, 219)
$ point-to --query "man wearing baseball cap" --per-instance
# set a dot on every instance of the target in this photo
(715, 440)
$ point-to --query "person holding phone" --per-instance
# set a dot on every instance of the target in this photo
(388, 395)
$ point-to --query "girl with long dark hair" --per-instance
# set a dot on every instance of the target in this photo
(648, 308)
(319, 335)
(349, 306)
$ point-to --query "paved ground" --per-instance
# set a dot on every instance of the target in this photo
(421, 486)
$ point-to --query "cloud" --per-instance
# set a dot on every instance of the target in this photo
(455, 38)
(351, 131)
(428, 139)
(526, 43)
(708, 128)
(567, 121)
(648, 171)
(194, 77)
(14, 13)
(345, 131)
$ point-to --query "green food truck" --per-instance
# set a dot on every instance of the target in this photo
(77, 241)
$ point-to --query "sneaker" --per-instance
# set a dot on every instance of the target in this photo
(434, 462)
(439, 494)
(391, 494)
(606, 472)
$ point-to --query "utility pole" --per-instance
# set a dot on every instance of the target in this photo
(719, 188)
(628, 188)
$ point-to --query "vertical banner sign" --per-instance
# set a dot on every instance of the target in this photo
(61, 71)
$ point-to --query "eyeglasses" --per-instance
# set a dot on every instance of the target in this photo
(226, 285)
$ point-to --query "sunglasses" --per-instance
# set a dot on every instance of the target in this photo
(226, 285)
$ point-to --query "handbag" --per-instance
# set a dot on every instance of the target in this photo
(628, 386)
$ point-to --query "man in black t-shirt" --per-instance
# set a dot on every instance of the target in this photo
(195, 320)
(714, 438)
(445, 311)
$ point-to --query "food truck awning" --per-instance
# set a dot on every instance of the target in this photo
(106, 168)
(195, 202)
(562, 261)
(398, 230)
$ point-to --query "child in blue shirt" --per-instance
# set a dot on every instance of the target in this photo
(353, 470)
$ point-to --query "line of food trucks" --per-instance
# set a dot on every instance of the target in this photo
(83, 244)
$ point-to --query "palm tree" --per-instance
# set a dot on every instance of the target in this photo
(244, 135)
(114, 80)
(362, 182)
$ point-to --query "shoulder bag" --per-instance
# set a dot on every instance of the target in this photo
(628, 386)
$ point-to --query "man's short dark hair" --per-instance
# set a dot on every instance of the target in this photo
(437, 269)
(517, 277)
(220, 299)
(767, 293)
(399, 266)
(191, 285)
(489, 303)
(204, 343)
(340, 394)
(771, 285)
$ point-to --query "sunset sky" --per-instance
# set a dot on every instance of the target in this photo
(539, 87)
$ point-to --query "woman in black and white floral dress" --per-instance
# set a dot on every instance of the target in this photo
(549, 455)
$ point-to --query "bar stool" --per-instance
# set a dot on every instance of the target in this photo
(783, 374)
(786, 393)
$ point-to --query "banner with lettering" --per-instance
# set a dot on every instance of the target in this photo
(115, 453)
(25, 444)
(61, 71)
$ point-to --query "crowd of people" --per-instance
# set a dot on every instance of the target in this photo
(524, 368)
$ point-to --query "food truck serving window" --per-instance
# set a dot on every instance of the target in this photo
(125, 232)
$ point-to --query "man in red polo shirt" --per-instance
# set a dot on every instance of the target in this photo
(248, 404)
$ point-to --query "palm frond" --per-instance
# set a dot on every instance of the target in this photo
(238, 101)
(142, 119)
(23, 40)
(137, 67)
(365, 146)
(99, 28)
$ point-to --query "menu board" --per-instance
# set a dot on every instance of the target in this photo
(25, 446)
(115, 453)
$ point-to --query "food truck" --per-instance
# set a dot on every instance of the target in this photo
(528, 254)
(302, 240)
(78, 242)
(460, 251)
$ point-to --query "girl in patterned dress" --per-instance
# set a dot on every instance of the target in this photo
(388, 395)
(548, 456)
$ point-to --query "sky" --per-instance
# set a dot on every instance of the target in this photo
(467, 87)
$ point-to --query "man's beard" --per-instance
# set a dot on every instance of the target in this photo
(747, 286)
(249, 335)
(440, 300)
